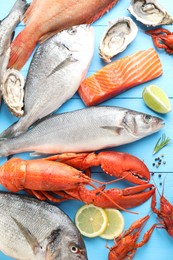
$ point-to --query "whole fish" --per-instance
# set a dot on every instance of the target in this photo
(87, 129)
(35, 230)
(46, 17)
(56, 71)
(7, 26)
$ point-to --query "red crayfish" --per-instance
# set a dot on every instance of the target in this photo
(165, 213)
(42, 177)
(162, 38)
(126, 243)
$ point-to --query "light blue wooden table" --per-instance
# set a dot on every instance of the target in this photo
(160, 246)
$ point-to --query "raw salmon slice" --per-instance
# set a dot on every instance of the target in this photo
(120, 76)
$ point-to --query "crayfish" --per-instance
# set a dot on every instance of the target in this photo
(165, 213)
(126, 243)
(42, 177)
(162, 38)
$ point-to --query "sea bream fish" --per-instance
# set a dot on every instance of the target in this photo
(87, 129)
(56, 71)
(7, 26)
(35, 230)
(45, 18)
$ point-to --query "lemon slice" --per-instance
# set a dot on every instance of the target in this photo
(115, 224)
(91, 220)
(156, 99)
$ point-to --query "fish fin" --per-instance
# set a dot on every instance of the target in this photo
(29, 12)
(36, 154)
(114, 129)
(63, 64)
(20, 51)
(30, 238)
(47, 36)
(102, 12)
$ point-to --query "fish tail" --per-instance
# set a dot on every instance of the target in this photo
(21, 50)
(12, 131)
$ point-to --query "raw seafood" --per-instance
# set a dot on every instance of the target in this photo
(7, 26)
(37, 230)
(46, 177)
(117, 37)
(56, 71)
(82, 130)
(120, 76)
(12, 87)
(149, 12)
(46, 17)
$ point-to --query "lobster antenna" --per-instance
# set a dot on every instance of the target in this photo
(111, 200)
(164, 184)
(156, 186)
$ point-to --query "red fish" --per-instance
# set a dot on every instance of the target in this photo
(119, 76)
(46, 17)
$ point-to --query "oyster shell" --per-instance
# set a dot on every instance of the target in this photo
(149, 12)
(12, 88)
(117, 37)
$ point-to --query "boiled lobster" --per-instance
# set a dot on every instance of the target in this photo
(42, 177)
(126, 243)
(165, 213)
(162, 38)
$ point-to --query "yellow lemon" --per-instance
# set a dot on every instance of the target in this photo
(91, 220)
(115, 224)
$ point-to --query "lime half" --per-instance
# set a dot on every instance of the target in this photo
(115, 224)
(156, 99)
(91, 220)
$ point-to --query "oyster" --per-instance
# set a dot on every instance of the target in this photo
(149, 12)
(117, 37)
(12, 88)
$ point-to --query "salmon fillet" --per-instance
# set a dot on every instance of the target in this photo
(120, 76)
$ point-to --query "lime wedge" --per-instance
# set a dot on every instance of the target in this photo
(91, 220)
(115, 224)
(156, 99)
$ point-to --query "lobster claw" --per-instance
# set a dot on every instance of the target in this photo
(120, 199)
(121, 165)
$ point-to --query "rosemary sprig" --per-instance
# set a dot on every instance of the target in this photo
(163, 141)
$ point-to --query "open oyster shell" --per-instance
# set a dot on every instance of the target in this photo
(149, 12)
(117, 37)
(12, 88)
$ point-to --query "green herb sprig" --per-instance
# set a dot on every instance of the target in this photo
(163, 141)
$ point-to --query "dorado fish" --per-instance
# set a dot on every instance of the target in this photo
(56, 71)
(87, 129)
(7, 26)
(35, 230)
(46, 17)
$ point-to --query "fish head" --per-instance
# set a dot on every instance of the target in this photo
(140, 125)
(78, 38)
(65, 245)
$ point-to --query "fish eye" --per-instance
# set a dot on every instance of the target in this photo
(72, 31)
(147, 118)
(74, 249)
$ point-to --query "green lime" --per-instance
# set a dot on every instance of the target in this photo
(115, 224)
(156, 99)
(91, 220)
